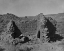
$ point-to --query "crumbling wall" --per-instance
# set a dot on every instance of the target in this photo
(28, 27)
(49, 30)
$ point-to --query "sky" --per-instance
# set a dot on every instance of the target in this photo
(31, 7)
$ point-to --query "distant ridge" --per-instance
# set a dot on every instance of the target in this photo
(55, 15)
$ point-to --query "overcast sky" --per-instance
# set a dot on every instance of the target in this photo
(31, 7)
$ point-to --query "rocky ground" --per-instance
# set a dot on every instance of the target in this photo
(31, 33)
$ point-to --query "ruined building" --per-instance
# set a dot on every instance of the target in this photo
(30, 29)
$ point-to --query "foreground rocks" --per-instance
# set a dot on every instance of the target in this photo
(36, 33)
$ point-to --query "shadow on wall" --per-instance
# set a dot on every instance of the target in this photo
(17, 32)
(52, 32)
